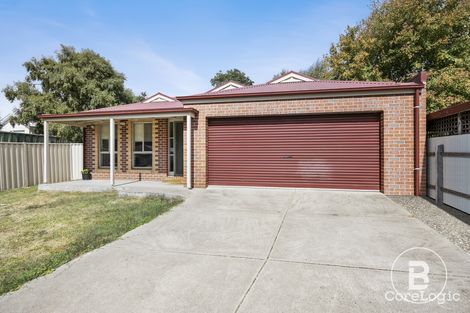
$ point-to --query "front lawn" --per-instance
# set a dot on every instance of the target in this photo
(39, 231)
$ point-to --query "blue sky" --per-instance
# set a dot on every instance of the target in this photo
(175, 46)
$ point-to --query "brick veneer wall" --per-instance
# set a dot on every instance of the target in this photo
(161, 157)
(397, 136)
(88, 147)
(123, 145)
(124, 169)
(397, 127)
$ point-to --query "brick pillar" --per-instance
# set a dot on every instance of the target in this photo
(89, 147)
(161, 139)
(124, 145)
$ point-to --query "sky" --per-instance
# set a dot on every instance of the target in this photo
(175, 47)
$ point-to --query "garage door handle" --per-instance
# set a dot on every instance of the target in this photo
(287, 157)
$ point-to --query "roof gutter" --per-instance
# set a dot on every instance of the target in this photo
(296, 92)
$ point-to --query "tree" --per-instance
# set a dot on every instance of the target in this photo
(70, 81)
(401, 37)
(231, 75)
(319, 70)
(281, 73)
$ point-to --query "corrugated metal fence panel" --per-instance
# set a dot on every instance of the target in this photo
(21, 164)
(77, 160)
(456, 169)
(341, 151)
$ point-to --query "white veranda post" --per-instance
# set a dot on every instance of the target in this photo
(188, 151)
(45, 161)
(111, 151)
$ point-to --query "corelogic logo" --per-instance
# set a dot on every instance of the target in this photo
(419, 275)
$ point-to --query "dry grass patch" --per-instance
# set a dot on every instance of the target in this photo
(40, 231)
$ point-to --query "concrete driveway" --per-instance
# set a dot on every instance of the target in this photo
(254, 250)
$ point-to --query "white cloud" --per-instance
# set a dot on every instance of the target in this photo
(148, 70)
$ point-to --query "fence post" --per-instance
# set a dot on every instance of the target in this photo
(45, 165)
(440, 175)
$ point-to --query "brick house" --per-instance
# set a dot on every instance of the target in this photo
(293, 131)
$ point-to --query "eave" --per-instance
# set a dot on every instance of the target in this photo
(299, 92)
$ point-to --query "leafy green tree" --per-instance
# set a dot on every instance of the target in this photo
(70, 81)
(231, 75)
(401, 37)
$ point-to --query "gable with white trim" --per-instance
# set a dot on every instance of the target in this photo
(228, 86)
(159, 97)
(291, 77)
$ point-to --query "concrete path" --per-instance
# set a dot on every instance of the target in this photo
(134, 188)
(253, 250)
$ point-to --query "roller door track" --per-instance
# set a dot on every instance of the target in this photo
(334, 151)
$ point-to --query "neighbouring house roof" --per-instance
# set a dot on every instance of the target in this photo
(453, 120)
(454, 109)
(302, 85)
(4, 120)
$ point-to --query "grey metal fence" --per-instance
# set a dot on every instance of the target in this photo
(449, 171)
(21, 164)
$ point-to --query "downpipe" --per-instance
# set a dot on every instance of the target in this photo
(417, 168)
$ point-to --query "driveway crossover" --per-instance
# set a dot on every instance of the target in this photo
(253, 250)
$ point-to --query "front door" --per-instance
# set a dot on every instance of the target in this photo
(175, 149)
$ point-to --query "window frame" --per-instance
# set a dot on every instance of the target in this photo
(142, 152)
(100, 145)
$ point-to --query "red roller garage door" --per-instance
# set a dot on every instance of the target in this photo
(321, 151)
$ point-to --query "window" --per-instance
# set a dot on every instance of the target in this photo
(142, 145)
(104, 146)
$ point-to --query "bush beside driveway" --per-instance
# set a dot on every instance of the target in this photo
(40, 231)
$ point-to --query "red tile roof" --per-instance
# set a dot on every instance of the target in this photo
(317, 86)
(140, 106)
(268, 89)
(132, 108)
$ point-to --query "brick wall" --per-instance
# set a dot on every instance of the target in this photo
(123, 145)
(397, 127)
(88, 147)
(124, 169)
(161, 156)
(397, 135)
